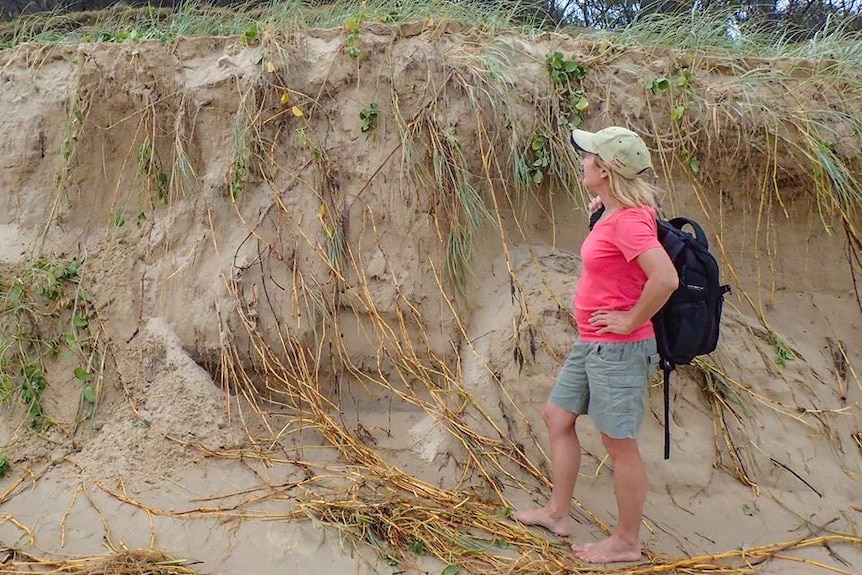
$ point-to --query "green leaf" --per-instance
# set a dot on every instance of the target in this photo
(694, 165)
(82, 375)
(538, 176)
(15, 293)
(574, 68)
(72, 268)
(582, 104)
(501, 544)
(89, 394)
(677, 113)
(251, 34)
(78, 321)
(451, 570)
(746, 509)
(659, 84)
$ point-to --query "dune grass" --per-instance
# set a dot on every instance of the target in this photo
(721, 31)
(716, 30)
(121, 562)
(190, 19)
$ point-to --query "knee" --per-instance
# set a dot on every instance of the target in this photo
(620, 447)
(557, 419)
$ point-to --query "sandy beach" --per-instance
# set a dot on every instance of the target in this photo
(281, 329)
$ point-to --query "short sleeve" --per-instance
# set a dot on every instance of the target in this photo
(636, 232)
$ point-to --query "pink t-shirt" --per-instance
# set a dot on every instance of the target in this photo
(611, 277)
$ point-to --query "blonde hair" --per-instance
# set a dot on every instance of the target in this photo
(634, 192)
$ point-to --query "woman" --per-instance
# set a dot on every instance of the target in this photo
(627, 277)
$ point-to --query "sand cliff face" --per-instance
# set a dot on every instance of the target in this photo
(254, 218)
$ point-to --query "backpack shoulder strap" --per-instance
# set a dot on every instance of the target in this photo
(667, 367)
(594, 217)
(699, 234)
(671, 238)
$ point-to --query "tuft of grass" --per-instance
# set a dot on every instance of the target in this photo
(464, 210)
(150, 170)
(336, 244)
(240, 168)
(75, 121)
(246, 142)
(183, 177)
(717, 30)
(837, 189)
(783, 354)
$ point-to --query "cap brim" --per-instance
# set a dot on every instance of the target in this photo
(583, 140)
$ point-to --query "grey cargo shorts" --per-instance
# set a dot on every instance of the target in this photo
(608, 382)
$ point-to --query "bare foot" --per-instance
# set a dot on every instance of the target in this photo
(611, 550)
(542, 517)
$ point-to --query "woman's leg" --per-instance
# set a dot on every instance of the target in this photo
(621, 372)
(565, 464)
(630, 488)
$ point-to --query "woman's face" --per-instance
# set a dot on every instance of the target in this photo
(595, 175)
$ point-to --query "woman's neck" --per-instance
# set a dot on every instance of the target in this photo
(607, 200)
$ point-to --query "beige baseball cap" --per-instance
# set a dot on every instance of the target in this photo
(621, 149)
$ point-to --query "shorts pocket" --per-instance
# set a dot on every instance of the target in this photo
(626, 396)
(617, 406)
(618, 382)
(613, 352)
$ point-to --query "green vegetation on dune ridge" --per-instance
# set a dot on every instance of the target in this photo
(126, 24)
(714, 29)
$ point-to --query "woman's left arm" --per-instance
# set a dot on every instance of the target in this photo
(662, 281)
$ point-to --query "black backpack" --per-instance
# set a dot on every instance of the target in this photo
(688, 324)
